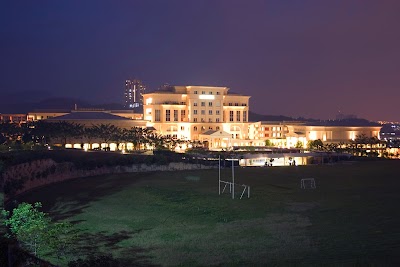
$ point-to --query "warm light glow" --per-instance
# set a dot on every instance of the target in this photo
(352, 135)
(149, 101)
(113, 147)
(129, 146)
(209, 97)
(313, 135)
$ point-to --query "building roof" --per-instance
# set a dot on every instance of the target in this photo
(89, 116)
(51, 111)
(216, 133)
(340, 123)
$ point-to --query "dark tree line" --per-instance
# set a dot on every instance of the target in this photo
(41, 133)
(360, 146)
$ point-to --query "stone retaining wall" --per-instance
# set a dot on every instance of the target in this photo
(43, 172)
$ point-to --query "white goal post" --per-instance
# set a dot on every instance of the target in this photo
(231, 184)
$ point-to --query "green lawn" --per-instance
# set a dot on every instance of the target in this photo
(178, 218)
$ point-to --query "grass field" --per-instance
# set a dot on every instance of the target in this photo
(178, 218)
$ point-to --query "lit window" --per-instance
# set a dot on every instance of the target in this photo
(157, 115)
(183, 115)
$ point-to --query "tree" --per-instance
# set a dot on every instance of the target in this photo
(35, 231)
(268, 142)
(316, 144)
(299, 144)
(106, 132)
(28, 225)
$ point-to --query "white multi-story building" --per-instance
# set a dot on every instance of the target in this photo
(199, 113)
(214, 115)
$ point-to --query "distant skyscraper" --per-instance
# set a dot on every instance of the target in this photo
(134, 90)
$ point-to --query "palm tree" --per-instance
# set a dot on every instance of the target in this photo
(90, 133)
(105, 132)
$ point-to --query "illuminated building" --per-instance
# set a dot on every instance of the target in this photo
(295, 133)
(201, 113)
(220, 118)
(13, 118)
(134, 90)
(214, 116)
(44, 114)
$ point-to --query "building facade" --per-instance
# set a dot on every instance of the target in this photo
(219, 118)
(212, 115)
(187, 112)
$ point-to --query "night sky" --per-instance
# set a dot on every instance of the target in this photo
(295, 58)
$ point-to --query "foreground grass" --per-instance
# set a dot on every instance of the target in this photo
(178, 218)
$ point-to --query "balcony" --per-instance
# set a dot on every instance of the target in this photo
(172, 103)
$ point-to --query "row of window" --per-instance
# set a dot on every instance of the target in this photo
(175, 117)
(231, 116)
(210, 104)
(204, 92)
(274, 128)
(236, 104)
(157, 115)
(273, 135)
(203, 120)
(203, 112)
(203, 128)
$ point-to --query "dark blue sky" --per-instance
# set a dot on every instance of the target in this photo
(296, 58)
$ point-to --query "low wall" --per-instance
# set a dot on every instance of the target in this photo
(27, 176)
